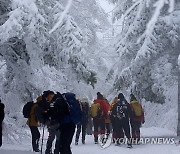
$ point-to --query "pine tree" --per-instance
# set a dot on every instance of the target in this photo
(150, 32)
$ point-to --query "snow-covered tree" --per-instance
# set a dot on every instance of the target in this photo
(4, 10)
(150, 31)
(148, 48)
(90, 18)
(37, 55)
(16, 32)
(30, 22)
(65, 44)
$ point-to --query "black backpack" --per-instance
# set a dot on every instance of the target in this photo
(27, 109)
(85, 110)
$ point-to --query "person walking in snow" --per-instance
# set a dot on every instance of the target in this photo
(69, 114)
(83, 125)
(107, 119)
(53, 129)
(33, 125)
(2, 114)
(89, 129)
(99, 112)
(113, 121)
(136, 118)
(42, 111)
(121, 113)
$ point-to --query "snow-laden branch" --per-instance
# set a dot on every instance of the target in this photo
(171, 5)
(129, 11)
(69, 4)
(131, 8)
(2, 65)
(151, 24)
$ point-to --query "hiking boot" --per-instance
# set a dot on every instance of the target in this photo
(117, 144)
(96, 140)
(83, 142)
(48, 152)
(36, 150)
(129, 146)
(114, 140)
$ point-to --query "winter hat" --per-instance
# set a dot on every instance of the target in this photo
(132, 97)
(84, 100)
(46, 93)
(121, 96)
(57, 95)
(99, 96)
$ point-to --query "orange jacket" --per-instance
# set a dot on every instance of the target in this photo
(113, 103)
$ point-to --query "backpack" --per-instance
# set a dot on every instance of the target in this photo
(96, 110)
(137, 108)
(75, 111)
(27, 109)
(85, 109)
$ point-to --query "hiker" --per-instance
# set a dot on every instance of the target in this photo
(69, 115)
(99, 112)
(121, 113)
(83, 125)
(1, 120)
(89, 129)
(32, 122)
(107, 119)
(136, 118)
(42, 111)
(53, 129)
(121, 135)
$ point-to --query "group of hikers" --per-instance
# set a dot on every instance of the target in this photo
(63, 114)
(119, 115)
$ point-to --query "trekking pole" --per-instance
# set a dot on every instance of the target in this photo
(42, 139)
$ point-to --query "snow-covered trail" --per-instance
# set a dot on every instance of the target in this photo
(90, 148)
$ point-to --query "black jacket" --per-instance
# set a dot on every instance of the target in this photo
(1, 112)
(61, 108)
(121, 110)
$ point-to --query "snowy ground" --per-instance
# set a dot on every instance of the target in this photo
(90, 148)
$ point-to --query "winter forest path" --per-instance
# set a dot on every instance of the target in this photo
(90, 148)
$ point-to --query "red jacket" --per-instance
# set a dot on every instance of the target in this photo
(135, 118)
(103, 106)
